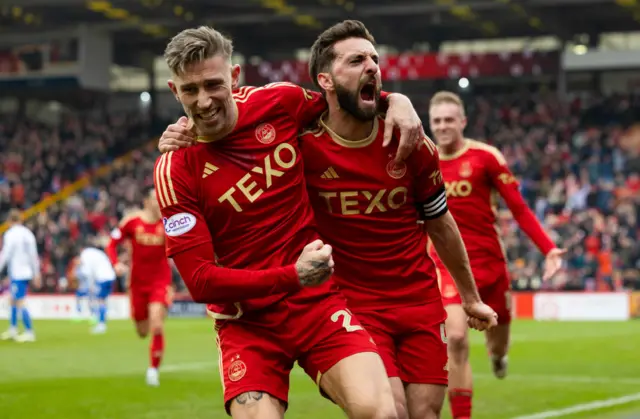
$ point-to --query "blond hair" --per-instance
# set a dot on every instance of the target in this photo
(14, 216)
(196, 45)
(444, 96)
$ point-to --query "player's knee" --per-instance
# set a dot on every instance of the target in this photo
(401, 410)
(374, 407)
(430, 410)
(457, 343)
(142, 329)
(374, 411)
(156, 326)
(256, 405)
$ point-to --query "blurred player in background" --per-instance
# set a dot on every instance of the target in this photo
(149, 283)
(94, 272)
(475, 175)
(83, 293)
(20, 256)
(237, 216)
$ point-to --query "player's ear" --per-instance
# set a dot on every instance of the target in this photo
(325, 81)
(235, 76)
(173, 88)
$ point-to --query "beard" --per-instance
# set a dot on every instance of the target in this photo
(348, 101)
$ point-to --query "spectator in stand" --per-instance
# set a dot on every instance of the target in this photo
(578, 163)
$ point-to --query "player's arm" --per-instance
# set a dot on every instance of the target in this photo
(191, 246)
(508, 187)
(305, 106)
(442, 229)
(34, 260)
(118, 236)
(7, 250)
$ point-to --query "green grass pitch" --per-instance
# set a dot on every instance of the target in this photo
(69, 373)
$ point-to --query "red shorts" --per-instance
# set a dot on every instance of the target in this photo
(411, 341)
(258, 350)
(141, 298)
(496, 293)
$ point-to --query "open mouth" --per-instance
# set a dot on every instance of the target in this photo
(209, 115)
(368, 92)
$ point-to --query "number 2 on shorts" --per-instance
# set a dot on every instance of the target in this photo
(346, 320)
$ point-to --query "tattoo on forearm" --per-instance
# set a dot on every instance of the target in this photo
(250, 397)
(316, 275)
(319, 265)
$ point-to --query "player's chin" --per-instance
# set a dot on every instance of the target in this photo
(368, 108)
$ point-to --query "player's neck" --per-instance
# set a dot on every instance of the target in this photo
(149, 217)
(346, 126)
(452, 148)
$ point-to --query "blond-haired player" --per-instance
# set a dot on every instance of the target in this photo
(475, 175)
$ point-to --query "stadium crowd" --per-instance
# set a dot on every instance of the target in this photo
(578, 162)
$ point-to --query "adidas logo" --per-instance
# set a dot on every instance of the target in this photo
(208, 169)
(330, 173)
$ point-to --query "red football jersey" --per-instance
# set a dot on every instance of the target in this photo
(366, 208)
(149, 264)
(245, 194)
(475, 177)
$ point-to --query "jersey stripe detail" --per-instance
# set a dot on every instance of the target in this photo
(164, 185)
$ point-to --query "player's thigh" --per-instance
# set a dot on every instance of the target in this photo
(256, 405)
(19, 289)
(424, 401)
(343, 359)
(497, 295)
(160, 299)
(399, 397)
(422, 351)
(157, 314)
(360, 386)
(253, 358)
(104, 290)
(384, 336)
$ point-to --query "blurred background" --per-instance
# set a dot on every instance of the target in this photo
(554, 84)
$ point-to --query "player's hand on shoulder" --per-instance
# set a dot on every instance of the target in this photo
(177, 136)
(315, 264)
(402, 115)
(481, 316)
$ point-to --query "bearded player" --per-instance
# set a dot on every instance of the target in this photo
(149, 278)
(374, 212)
(373, 225)
(475, 175)
(238, 218)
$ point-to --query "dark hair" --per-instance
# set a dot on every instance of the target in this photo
(322, 52)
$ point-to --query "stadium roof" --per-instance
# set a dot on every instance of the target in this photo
(261, 27)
